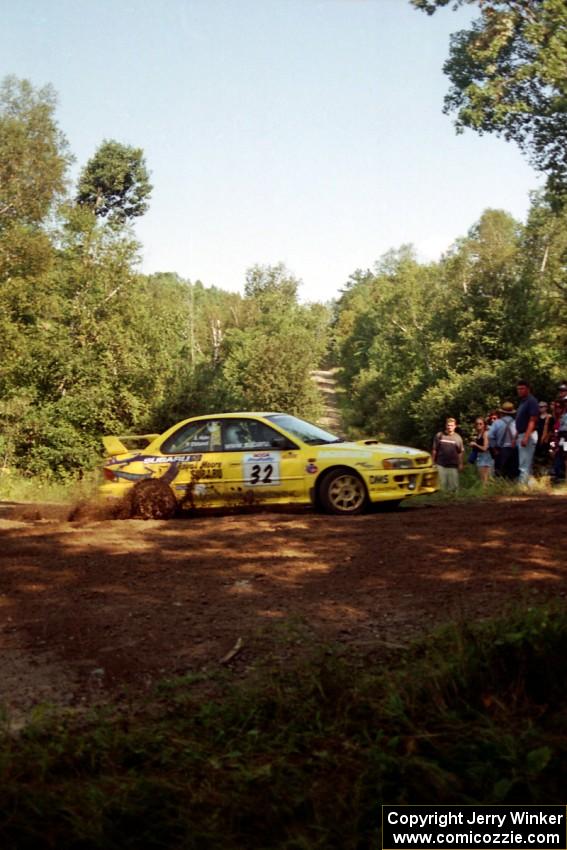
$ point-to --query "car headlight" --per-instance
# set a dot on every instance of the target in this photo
(397, 463)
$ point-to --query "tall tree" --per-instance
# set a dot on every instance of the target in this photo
(544, 253)
(267, 363)
(33, 153)
(115, 182)
(388, 347)
(489, 302)
(417, 343)
(34, 158)
(509, 77)
(271, 286)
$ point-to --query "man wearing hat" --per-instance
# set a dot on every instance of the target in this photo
(502, 442)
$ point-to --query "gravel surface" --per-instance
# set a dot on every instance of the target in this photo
(98, 609)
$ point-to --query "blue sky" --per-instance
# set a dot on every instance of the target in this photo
(303, 131)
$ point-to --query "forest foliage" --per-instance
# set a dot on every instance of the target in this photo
(419, 342)
(90, 346)
(508, 75)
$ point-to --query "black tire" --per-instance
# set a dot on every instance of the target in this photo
(153, 499)
(343, 492)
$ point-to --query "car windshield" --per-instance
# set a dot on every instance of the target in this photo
(305, 431)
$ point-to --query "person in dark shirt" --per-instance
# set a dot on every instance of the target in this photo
(544, 434)
(447, 453)
(559, 440)
(526, 427)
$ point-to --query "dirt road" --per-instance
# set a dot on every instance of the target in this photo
(93, 609)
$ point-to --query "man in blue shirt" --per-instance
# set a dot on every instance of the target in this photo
(526, 427)
(502, 441)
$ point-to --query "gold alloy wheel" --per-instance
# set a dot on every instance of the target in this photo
(346, 493)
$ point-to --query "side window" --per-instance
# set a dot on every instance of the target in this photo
(248, 434)
(203, 436)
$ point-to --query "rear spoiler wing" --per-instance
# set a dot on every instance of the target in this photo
(127, 442)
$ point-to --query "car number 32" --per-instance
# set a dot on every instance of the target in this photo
(261, 472)
(261, 475)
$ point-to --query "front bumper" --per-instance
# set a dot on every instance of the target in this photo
(396, 484)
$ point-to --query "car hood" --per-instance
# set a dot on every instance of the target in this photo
(388, 449)
(366, 450)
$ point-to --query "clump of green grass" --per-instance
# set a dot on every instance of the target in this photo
(15, 487)
(302, 757)
(471, 489)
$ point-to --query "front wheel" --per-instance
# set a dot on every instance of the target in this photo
(343, 492)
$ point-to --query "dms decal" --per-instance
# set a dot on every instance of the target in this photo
(311, 468)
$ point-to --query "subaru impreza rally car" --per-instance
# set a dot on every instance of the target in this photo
(259, 459)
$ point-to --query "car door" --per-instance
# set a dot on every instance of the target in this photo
(260, 464)
(194, 463)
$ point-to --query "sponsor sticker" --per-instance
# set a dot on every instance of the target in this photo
(261, 469)
(173, 459)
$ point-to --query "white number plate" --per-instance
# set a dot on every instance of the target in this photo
(261, 469)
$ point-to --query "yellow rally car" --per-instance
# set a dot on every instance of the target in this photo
(259, 459)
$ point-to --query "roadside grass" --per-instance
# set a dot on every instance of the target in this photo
(472, 490)
(301, 757)
(15, 487)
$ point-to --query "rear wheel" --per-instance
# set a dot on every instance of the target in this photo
(153, 500)
(343, 492)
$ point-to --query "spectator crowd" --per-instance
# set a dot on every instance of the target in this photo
(513, 442)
